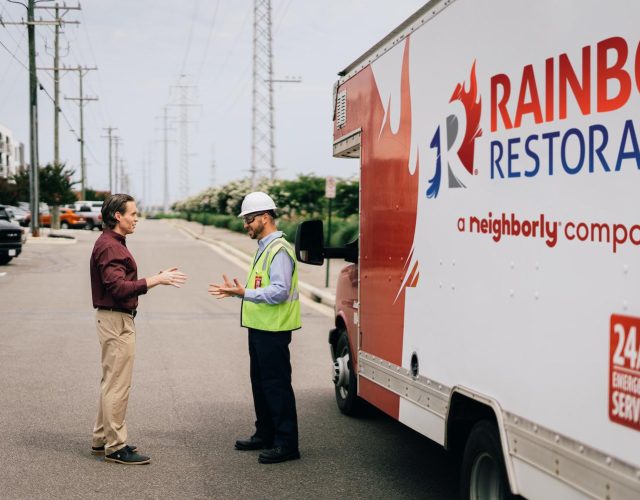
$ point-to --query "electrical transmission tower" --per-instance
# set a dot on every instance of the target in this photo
(212, 180)
(263, 126)
(184, 104)
(263, 145)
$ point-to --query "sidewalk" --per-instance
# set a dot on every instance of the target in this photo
(311, 278)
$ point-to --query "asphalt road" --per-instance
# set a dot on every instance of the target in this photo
(191, 396)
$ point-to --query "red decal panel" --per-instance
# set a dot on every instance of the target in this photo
(380, 397)
(624, 371)
(387, 221)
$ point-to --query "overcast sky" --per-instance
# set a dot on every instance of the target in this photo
(141, 47)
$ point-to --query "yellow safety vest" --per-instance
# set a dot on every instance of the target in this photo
(272, 317)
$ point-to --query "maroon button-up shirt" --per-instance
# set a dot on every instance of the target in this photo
(114, 274)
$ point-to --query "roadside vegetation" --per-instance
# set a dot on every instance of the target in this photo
(297, 200)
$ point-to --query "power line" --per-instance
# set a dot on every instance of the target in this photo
(13, 55)
(282, 13)
(71, 129)
(95, 62)
(206, 47)
(193, 23)
(10, 19)
(221, 69)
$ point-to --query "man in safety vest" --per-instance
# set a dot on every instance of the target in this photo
(270, 310)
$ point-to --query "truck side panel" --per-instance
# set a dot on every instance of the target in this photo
(499, 231)
(387, 217)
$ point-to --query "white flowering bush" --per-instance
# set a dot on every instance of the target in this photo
(297, 199)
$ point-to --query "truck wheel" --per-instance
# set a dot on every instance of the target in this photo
(345, 379)
(89, 225)
(64, 225)
(483, 474)
(5, 259)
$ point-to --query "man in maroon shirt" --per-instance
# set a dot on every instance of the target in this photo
(115, 288)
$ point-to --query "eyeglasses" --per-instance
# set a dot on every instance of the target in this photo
(248, 219)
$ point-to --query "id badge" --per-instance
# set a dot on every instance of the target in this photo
(258, 281)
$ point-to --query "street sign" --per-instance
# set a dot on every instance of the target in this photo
(330, 188)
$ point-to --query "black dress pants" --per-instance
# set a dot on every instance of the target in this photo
(273, 398)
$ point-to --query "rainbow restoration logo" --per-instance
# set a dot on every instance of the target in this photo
(460, 164)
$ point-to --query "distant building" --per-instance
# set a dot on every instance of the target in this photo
(11, 153)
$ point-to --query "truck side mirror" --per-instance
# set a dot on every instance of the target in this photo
(310, 242)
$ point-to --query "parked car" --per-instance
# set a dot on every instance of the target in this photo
(26, 220)
(24, 207)
(15, 214)
(92, 215)
(68, 219)
(11, 237)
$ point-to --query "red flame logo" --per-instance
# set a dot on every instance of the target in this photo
(473, 106)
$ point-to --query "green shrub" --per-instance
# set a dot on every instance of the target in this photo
(172, 215)
(236, 224)
(346, 233)
(221, 221)
(289, 228)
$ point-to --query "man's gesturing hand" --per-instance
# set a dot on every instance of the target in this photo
(169, 276)
(227, 289)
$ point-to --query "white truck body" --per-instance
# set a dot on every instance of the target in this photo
(517, 127)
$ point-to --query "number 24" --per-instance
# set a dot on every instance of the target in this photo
(629, 344)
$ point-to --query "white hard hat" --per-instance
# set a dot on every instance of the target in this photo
(257, 202)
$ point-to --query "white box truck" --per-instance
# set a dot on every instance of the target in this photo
(493, 303)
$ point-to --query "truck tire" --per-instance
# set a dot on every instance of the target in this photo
(89, 225)
(5, 259)
(483, 473)
(346, 387)
(64, 225)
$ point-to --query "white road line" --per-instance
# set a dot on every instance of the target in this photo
(2, 274)
(321, 308)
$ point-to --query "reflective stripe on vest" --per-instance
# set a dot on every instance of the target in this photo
(272, 317)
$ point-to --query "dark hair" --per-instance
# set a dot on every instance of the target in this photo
(114, 203)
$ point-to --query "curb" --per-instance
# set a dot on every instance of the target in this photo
(46, 239)
(312, 292)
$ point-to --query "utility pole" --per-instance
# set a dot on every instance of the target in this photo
(34, 187)
(116, 141)
(184, 105)
(56, 75)
(33, 120)
(111, 138)
(125, 185)
(56, 93)
(81, 99)
(147, 180)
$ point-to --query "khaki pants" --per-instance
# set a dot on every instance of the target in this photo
(117, 335)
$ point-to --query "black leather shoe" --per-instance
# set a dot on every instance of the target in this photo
(99, 450)
(127, 457)
(253, 443)
(277, 455)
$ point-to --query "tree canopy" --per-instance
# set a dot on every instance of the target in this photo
(56, 186)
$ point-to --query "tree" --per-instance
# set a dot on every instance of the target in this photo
(56, 185)
(21, 183)
(347, 197)
(8, 192)
(94, 195)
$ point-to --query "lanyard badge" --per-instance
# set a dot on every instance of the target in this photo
(258, 281)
